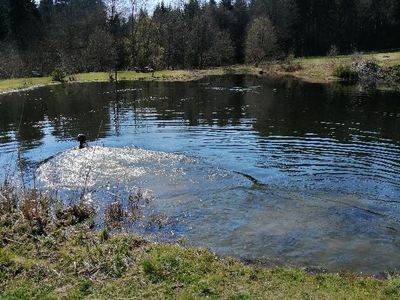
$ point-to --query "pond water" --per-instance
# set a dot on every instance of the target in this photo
(274, 170)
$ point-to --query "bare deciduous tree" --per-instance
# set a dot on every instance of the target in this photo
(261, 42)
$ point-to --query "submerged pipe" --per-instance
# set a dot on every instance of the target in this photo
(254, 180)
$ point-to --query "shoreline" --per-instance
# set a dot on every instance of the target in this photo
(311, 69)
(8, 86)
(60, 247)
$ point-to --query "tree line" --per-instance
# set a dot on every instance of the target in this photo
(101, 35)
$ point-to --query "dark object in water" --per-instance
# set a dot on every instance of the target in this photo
(255, 181)
(82, 141)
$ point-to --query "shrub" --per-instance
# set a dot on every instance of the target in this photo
(346, 73)
(333, 51)
(114, 214)
(58, 75)
(36, 210)
(289, 64)
(75, 214)
(8, 198)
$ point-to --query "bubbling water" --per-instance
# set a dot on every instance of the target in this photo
(129, 169)
(102, 166)
(235, 215)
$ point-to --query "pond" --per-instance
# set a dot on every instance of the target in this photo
(274, 170)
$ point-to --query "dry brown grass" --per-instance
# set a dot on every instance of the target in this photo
(135, 203)
(8, 198)
(35, 209)
(114, 214)
(39, 212)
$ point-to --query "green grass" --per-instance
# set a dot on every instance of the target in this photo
(312, 69)
(22, 83)
(165, 75)
(321, 69)
(82, 265)
(384, 59)
(68, 259)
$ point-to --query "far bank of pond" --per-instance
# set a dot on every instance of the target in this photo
(18, 84)
(310, 69)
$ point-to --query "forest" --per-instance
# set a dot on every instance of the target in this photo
(103, 35)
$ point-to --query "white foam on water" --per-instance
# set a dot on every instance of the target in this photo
(102, 166)
(233, 215)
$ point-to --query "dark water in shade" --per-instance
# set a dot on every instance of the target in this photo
(257, 168)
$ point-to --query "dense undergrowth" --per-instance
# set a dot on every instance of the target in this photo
(52, 251)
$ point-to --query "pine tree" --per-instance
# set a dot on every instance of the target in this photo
(25, 23)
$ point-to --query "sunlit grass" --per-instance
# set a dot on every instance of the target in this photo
(20, 83)
(321, 69)
(68, 259)
(313, 69)
(164, 75)
(85, 265)
(383, 59)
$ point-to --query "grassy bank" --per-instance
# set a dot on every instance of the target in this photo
(50, 251)
(321, 69)
(9, 85)
(313, 69)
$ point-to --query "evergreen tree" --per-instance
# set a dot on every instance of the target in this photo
(71, 33)
(25, 23)
(4, 19)
(46, 9)
(238, 32)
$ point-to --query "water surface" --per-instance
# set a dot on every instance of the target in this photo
(258, 168)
